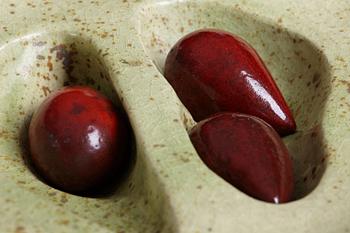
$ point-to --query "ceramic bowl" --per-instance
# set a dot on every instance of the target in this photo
(119, 47)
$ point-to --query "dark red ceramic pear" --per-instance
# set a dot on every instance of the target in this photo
(214, 71)
(248, 153)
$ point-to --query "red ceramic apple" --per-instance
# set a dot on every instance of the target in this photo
(246, 152)
(214, 71)
(78, 140)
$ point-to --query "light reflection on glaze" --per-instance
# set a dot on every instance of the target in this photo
(94, 138)
(263, 94)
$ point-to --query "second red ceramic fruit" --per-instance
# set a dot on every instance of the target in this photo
(214, 71)
(246, 152)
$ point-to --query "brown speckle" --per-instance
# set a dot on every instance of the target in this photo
(64, 198)
(52, 194)
(64, 222)
(46, 90)
(341, 59)
(104, 34)
(131, 63)
(185, 160)
(107, 215)
(5, 134)
(39, 43)
(49, 63)
(346, 83)
(20, 229)
(158, 145)
(40, 57)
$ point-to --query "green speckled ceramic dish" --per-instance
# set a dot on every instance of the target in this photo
(119, 47)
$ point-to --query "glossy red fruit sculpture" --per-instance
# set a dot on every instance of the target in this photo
(246, 152)
(214, 71)
(78, 140)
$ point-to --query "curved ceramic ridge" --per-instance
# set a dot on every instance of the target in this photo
(183, 191)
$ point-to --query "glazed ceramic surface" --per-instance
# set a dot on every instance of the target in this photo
(119, 47)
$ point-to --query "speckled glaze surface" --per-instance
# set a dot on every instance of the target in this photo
(120, 47)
